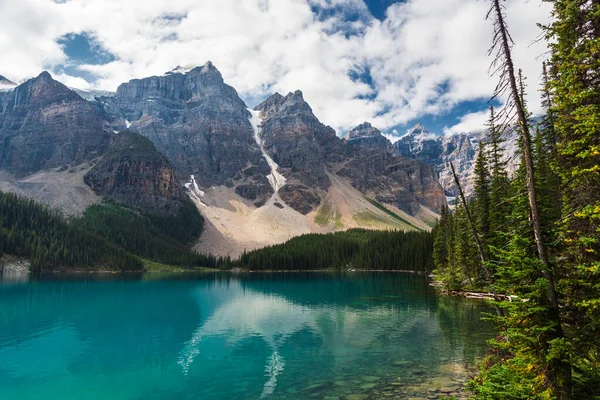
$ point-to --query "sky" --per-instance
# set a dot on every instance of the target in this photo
(392, 63)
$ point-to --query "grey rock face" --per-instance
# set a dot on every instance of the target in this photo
(306, 150)
(202, 128)
(367, 135)
(421, 145)
(459, 149)
(44, 124)
(134, 173)
(290, 133)
(199, 123)
(403, 182)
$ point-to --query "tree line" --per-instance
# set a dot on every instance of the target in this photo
(30, 230)
(535, 235)
(352, 249)
(108, 236)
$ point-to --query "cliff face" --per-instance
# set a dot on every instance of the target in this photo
(190, 123)
(306, 150)
(134, 173)
(459, 149)
(290, 133)
(199, 123)
(367, 135)
(440, 151)
(44, 124)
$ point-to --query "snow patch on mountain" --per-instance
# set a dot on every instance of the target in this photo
(192, 186)
(276, 180)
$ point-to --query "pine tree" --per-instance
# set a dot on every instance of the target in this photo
(482, 193)
(440, 245)
(499, 186)
(541, 318)
(574, 84)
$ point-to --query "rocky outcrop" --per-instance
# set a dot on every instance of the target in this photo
(367, 135)
(6, 84)
(134, 173)
(44, 124)
(458, 149)
(399, 181)
(193, 124)
(306, 150)
(420, 144)
(461, 152)
(199, 123)
(290, 134)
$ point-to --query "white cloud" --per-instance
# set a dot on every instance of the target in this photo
(426, 57)
(469, 123)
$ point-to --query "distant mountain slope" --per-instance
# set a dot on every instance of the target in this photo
(44, 125)
(459, 149)
(367, 135)
(6, 84)
(307, 151)
(135, 173)
(199, 123)
(259, 176)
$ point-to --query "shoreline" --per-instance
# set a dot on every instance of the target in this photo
(179, 270)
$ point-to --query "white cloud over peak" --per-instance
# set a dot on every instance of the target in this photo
(468, 123)
(426, 57)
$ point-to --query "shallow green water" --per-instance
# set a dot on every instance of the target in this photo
(247, 336)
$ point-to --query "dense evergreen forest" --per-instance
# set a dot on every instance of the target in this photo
(356, 248)
(535, 236)
(109, 236)
(33, 231)
(165, 239)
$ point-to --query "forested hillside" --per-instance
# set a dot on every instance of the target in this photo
(33, 231)
(356, 248)
(109, 236)
(165, 239)
(536, 236)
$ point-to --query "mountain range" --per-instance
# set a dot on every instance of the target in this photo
(259, 176)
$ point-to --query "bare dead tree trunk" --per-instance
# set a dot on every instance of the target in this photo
(508, 82)
(528, 159)
(471, 223)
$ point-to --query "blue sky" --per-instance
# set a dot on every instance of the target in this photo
(378, 7)
(393, 63)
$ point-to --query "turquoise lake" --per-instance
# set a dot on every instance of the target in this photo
(359, 335)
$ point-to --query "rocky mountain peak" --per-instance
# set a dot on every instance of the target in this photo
(285, 106)
(181, 84)
(41, 88)
(363, 130)
(367, 135)
(199, 123)
(6, 83)
(206, 69)
(44, 76)
(420, 133)
(418, 129)
(295, 100)
(44, 124)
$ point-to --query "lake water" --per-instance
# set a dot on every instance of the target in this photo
(360, 335)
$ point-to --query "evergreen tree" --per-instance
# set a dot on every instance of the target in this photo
(356, 248)
(499, 186)
(441, 233)
(574, 82)
(482, 193)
